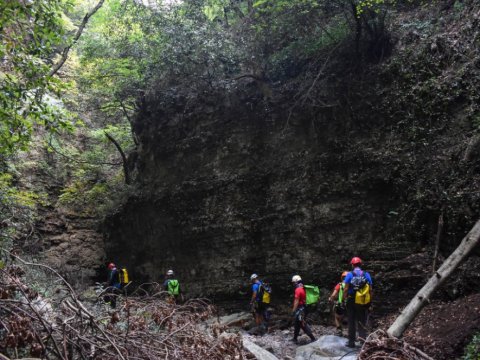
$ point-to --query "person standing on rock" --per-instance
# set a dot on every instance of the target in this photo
(172, 286)
(113, 283)
(299, 310)
(338, 296)
(256, 302)
(358, 286)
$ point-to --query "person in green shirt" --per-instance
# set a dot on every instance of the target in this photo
(338, 299)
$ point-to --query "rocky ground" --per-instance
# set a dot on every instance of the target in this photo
(279, 343)
(441, 330)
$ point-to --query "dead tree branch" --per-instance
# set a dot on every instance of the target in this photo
(437, 242)
(59, 326)
(79, 32)
(423, 296)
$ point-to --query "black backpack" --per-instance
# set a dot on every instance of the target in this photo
(358, 281)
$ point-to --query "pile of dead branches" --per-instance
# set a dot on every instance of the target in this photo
(54, 324)
(381, 346)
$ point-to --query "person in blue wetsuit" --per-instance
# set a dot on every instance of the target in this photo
(358, 286)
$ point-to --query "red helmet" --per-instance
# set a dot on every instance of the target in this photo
(356, 261)
(111, 266)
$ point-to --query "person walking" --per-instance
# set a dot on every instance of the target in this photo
(337, 297)
(358, 286)
(172, 286)
(299, 310)
(257, 305)
(113, 285)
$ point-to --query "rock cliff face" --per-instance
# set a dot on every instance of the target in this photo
(231, 183)
(236, 191)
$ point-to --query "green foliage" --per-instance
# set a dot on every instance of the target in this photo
(96, 180)
(30, 34)
(18, 209)
(472, 350)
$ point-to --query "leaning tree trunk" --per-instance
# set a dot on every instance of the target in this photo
(126, 172)
(422, 297)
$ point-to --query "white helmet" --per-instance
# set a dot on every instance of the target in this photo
(296, 278)
(170, 272)
(253, 277)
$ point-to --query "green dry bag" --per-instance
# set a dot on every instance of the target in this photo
(173, 287)
(313, 294)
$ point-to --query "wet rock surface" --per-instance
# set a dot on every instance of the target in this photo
(327, 347)
(280, 344)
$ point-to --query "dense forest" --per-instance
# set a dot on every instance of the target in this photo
(222, 138)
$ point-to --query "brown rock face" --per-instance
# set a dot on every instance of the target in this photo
(230, 182)
(227, 194)
(72, 246)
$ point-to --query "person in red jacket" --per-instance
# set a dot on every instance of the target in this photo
(299, 310)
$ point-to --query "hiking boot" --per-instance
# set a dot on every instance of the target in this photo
(294, 340)
(349, 344)
(313, 339)
(339, 332)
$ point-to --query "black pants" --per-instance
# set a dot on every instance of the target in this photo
(301, 323)
(357, 315)
(111, 297)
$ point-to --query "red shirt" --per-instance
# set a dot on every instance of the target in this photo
(300, 295)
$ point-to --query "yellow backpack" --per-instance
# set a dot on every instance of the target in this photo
(123, 275)
(265, 290)
(362, 295)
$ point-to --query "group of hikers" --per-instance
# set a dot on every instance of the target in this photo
(118, 280)
(352, 295)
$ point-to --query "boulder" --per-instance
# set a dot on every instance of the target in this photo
(235, 320)
(328, 347)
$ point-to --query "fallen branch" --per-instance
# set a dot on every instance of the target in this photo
(381, 346)
(423, 296)
(146, 327)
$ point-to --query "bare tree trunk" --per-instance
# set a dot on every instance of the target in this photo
(79, 32)
(124, 157)
(437, 242)
(423, 296)
(358, 29)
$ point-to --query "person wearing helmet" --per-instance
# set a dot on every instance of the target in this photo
(256, 303)
(357, 313)
(172, 286)
(113, 285)
(337, 298)
(299, 310)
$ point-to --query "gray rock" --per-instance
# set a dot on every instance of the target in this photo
(328, 347)
(259, 352)
(235, 320)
